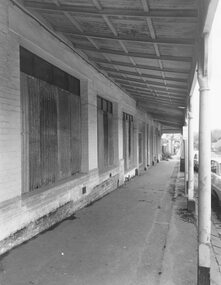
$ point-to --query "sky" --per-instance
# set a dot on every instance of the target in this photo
(215, 77)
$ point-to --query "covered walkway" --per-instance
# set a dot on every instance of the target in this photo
(87, 88)
(125, 238)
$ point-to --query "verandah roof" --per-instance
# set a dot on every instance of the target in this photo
(147, 47)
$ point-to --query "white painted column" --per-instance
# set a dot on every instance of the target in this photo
(204, 185)
(145, 146)
(119, 156)
(89, 127)
(191, 204)
(186, 164)
(136, 146)
(148, 145)
(159, 148)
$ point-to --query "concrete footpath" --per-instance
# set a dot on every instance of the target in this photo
(138, 234)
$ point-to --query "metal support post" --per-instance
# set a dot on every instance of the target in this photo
(204, 208)
(191, 202)
(186, 165)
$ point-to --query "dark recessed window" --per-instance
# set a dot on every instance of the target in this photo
(128, 140)
(37, 67)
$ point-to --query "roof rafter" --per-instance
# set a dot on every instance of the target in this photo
(156, 101)
(150, 105)
(78, 26)
(166, 119)
(113, 30)
(173, 123)
(157, 98)
(170, 41)
(144, 75)
(164, 116)
(151, 29)
(129, 79)
(168, 104)
(159, 95)
(167, 13)
(139, 85)
(135, 54)
(141, 66)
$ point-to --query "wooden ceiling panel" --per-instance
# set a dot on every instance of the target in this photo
(130, 4)
(79, 40)
(155, 93)
(103, 65)
(108, 44)
(175, 83)
(161, 111)
(173, 27)
(139, 77)
(149, 68)
(141, 47)
(177, 65)
(91, 54)
(168, 114)
(137, 73)
(143, 71)
(116, 57)
(77, 2)
(176, 50)
(92, 24)
(57, 19)
(176, 75)
(139, 83)
(43, 1)
(130, 27)
(147, 62)
(172, 4)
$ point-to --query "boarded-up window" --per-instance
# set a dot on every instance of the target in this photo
(128, 140)
(147, 146)
(105, 133)
(51, 122)
(141, 140)
(140, 145)
(152, 144)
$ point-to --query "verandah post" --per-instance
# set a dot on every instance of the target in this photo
(204, 182)
(191, 203)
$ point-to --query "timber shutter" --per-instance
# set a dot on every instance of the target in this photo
(105, 133)
(51, 122)
(128, 140)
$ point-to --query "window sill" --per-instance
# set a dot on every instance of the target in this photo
(75, 180)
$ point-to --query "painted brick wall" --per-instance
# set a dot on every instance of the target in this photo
(44, 219)
(16, 29)
(10, 137)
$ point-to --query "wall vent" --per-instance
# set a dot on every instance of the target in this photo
(84, 190)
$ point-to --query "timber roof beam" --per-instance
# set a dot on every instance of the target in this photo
(118, 78)
(156, 89)
(134, 54)
(170, 41)
(110, 70)
(160, 95)
(88, 10)
(141, 66)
